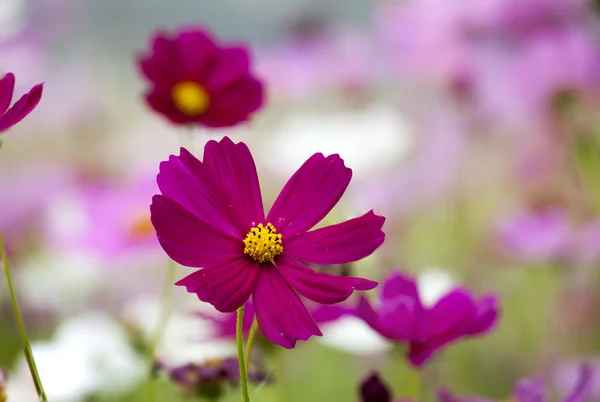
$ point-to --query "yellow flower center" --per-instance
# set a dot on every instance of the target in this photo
(190, 98)
(141, 225)
(263, 243)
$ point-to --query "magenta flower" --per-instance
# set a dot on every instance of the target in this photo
(401, 316)
(537, 390)
(21, 108)
(210, 215)
(535, 235)
(195, 80)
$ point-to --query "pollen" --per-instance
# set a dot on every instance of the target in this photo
(263, 243)
(190, 98)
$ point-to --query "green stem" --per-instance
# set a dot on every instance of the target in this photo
(23, 332)
(251, 336)
(416, 385)
(165, 312)
(239, 338)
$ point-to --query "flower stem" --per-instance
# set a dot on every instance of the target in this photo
(23, 332)
(239, 338)
(416, 385)
(164, 313)
(251, 336)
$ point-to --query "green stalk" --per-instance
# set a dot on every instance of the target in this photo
(23, 332)
(239, 338)
(251, 336)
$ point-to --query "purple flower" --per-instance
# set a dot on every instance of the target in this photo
(210, 215)
(402, 317)
(210, 378)
(195, 80)
(105, 219)
(535, 235)
(21, 108)
(537, 390)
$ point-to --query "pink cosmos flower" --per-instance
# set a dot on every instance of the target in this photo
(535, 235)
(210, 215)
(401, 316)
(195, 80)
(103, 219)
(21, 108)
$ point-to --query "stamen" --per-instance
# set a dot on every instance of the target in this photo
(265, 248)
(190, 98)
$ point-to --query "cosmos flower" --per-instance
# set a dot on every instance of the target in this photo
(195, 80)
(21, 108)
(536, 390)
(535, 235)
(210, 215)
(402, 316)
(104, 219)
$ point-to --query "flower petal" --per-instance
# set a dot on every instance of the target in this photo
(450, 318)
(320, 287)
(419, 353)
(22, 107)
(7, 87)
(365, 311)
(187, 239)
(339, 244)
(309, 194)
(281, 315)
(397, 283)
(226, 286)
(231, 64)
(233, 166)
(234, 104)
(487, 316)
(197, 51)
(187, 181)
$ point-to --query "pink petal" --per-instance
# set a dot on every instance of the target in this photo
(7, 87)
(450, 317)
(309, 195)
(400, 317)
(196, 52)
(487, 316)
(365, 311)
(232, 165)
(320, 287)
(234, 104)
(187, 181)
(159, 99)
(187, 239)
(231, 65)
(281, 315)
(226, 286)
(397, 283)
(22, 107)
(419, 354)
(339, 244)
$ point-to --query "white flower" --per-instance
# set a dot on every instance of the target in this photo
(353, 335)
(89, 354)
(368, 140)
(433, 283)
(184, 339)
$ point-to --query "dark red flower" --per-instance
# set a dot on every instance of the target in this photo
(195, 80)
